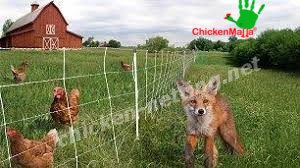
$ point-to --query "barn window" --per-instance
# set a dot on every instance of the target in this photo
(50, 29)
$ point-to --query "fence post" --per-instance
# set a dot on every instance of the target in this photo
(183, 65)
(137, 117)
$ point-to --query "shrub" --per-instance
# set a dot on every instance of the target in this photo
(90, 42)
(155, 44)
(274, 48)
(279, 48)
(201, 43)
(244, 51)
(114, 44)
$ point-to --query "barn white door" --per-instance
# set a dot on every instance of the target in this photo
(50, 43)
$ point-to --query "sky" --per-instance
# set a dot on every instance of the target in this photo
(133, 21)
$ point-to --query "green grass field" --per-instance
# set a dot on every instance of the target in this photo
(265, 105)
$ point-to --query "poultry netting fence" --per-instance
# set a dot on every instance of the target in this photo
(114, 97)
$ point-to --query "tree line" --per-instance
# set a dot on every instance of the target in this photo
(274, 48)
(204, 44)
(152, 44)
(91, 42)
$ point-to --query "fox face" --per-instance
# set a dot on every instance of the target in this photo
(198, 105)
(199, 102)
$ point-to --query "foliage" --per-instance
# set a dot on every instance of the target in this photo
(7, 24)
(232, 38)
(155, 44)
(220, 46)
(114, 44)
(90, 42)
(274, 48)
(201, 43)
(244, 51)
(204, 44)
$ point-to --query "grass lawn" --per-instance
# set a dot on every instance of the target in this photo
(265, 105)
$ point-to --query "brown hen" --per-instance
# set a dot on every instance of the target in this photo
(126, 67)
(59, 110)
(20, 72)
(31, 153)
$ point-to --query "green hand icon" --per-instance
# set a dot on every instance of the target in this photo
(248, 18)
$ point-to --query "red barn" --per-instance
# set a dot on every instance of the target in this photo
(44, 27)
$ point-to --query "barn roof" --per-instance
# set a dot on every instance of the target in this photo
(30, 17)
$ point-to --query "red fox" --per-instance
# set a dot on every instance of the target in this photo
(208, 114)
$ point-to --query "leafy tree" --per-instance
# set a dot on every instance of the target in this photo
(155, 44)
(95, 44)
(297, 30)
(103, 44)
(141, 46)
(244, 51)
(7, 24)
(219, 46)
(90, 42)
(201, 44)
(114, 44)
(232, 38)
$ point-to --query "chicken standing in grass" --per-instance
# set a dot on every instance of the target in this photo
(20, 72)
(60, 112)
(126, 67)
(32, 153)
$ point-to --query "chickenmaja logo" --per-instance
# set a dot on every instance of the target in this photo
(248, 18)
(246, 22)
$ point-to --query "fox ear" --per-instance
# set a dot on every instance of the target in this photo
(185, 89)
(213, 85)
